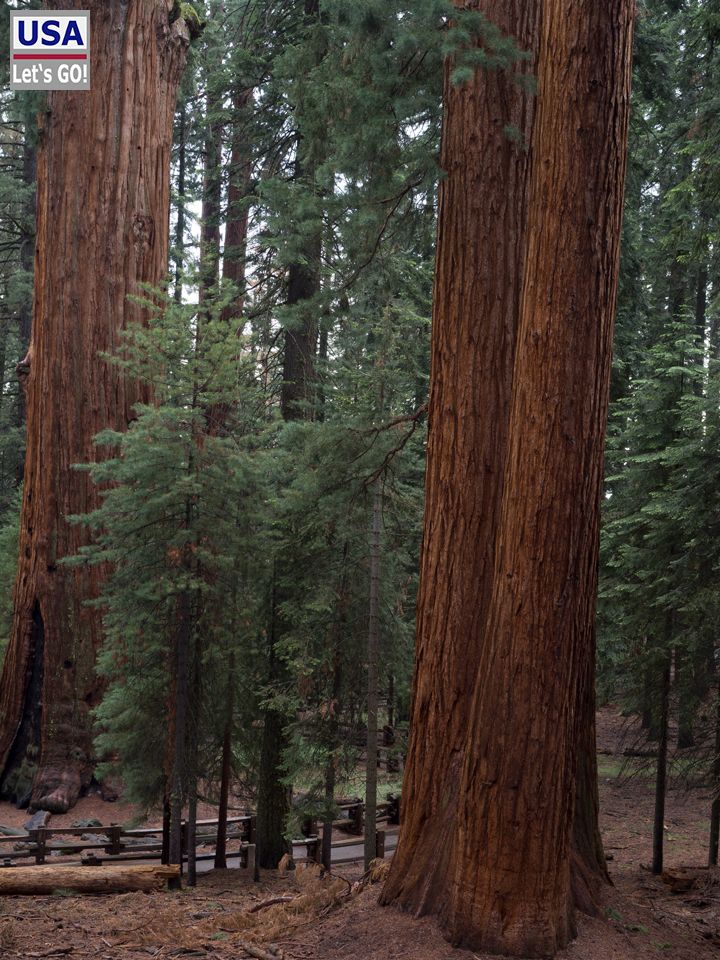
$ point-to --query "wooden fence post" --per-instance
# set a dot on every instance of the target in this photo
(380, 844)
(113, 835)
(357, 815)
(39, 839)
(313, 850)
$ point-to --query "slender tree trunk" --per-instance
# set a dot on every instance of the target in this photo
(180, 223)
(236, 234)
(166, 819)
(273, 802)
(211, 199)
(102, 230)
(373, 679)
(685, 686)
(298, 392)
(661, 772)
(296, 403)
(333, 722)
(478, 282)
(647, 717)
(193, 732)
(221, 840)
(180, 714)
(715, 809)
(191, 833)
(238, 215)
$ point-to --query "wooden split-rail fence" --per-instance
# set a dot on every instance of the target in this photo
(113, 844)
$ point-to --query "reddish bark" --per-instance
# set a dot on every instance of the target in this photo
(511, 888)
(480, 265)
(102, 231)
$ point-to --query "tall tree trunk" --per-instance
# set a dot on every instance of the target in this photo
(102, 230)
(238, 213)
(221, 839)
(478, 282)
(296, 403)
(373, 679)
(333, 720)
(519, 777)
(166, 819)
(191, 833)
(180, 719)
(211, 197)
(236, 233)
(685, 686)
(509, 864)
(714, 840)
(297, 400)
(512, 890)
(273, 803)
(661, 770)
(180, 223)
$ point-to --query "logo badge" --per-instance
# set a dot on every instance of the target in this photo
(50, 51)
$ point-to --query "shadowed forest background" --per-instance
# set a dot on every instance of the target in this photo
(234, 602)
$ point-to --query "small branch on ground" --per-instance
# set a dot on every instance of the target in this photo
(259, 954)
(269, 903)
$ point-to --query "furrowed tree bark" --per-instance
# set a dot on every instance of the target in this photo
(511, 889)
(102, 230)
(27, 252)
(480, 265)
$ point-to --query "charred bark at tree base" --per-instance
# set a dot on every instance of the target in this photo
(21, 766)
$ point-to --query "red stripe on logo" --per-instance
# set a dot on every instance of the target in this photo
(49, 56)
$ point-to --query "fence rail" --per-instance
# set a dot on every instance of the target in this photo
(114, 843)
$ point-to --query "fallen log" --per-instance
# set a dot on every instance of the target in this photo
(11, 831)
(39, 880)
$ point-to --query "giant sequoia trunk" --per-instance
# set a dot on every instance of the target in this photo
(511, 886)
(480, 265)
(102, 230)
(485, 848)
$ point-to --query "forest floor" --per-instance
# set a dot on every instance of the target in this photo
(643, 918)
